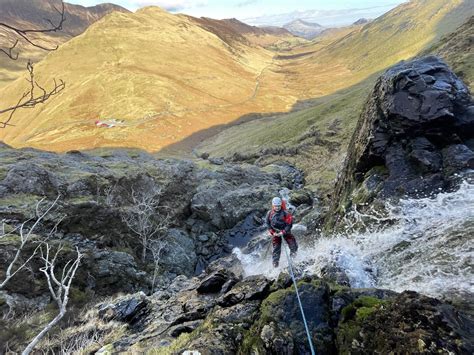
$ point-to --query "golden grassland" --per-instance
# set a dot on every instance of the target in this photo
(167, 78)
(320, 134)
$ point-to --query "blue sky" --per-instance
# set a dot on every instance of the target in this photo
(253, 9)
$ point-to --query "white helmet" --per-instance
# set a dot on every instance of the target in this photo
(276, 201)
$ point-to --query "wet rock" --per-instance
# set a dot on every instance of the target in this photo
(280, 329)
(213, 283)
(333, 273)
(128, 310)
(224, 334)
(230, 264)
(416, 125)
(456, 158)
(411, 321)
(251, 288)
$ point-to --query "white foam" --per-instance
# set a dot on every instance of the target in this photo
(429, 249)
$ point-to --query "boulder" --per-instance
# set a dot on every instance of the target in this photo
(110, 272)
(251, 288)
(213, 283)
(178, 256)
(128, 310)
(280, 329)
(412, 136)
(30, 178)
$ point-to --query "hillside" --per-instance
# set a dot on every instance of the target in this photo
(161, 74)
(167, 79)
(458, 51)
(230, 30)
(33, 14)
(323, 128)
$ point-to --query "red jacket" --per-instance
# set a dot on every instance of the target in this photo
(281, 221)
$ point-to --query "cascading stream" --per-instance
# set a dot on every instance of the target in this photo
(429, 249)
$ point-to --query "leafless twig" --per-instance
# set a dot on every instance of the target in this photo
(59, 287)
(25, 236)
(25, 34)
(31, 98)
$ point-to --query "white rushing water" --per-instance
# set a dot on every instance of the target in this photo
(429, 248)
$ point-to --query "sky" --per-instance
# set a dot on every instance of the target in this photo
(262, 11)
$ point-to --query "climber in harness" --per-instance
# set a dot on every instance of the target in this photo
(279, 222)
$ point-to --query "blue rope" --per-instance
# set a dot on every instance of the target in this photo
(290, 268)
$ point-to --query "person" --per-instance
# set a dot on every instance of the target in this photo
(279, 222)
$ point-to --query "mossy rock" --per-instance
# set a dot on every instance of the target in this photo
(301, 197)
(280, 328)
(353, 316)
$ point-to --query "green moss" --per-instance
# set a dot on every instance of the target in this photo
(11, 239)
(78, 297)
(252, 342)
(353, 316)
(19, 200)
(176, 346)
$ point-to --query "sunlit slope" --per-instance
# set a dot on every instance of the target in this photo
(315, 139)
(164, 76)
(457, 49)
(399, 34)
(33, 14)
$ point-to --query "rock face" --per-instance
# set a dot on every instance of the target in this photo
(414, 135)
(259, 316)
(200, 204)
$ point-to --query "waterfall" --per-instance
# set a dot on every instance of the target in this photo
(428, 248)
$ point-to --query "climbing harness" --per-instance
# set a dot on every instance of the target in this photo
(290, 269)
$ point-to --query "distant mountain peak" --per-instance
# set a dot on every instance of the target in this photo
(361, 21)
(304, 29)
(303, 22)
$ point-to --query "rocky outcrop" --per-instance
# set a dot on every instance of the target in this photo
(410, 323)
(257, 315)
(202, 204)
(414, 136)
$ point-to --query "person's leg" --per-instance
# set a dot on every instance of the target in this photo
(290, 239)
(276, 242)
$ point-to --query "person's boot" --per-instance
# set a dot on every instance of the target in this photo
(275, 263)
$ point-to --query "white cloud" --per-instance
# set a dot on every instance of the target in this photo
(172, 5)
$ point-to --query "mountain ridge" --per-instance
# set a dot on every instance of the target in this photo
(304, 29)
(34, 14)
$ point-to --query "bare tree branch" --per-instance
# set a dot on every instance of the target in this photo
(25, 236)
(156, 247)
(30, 99)
(59, 290)
(25, 33)
(143, 215)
